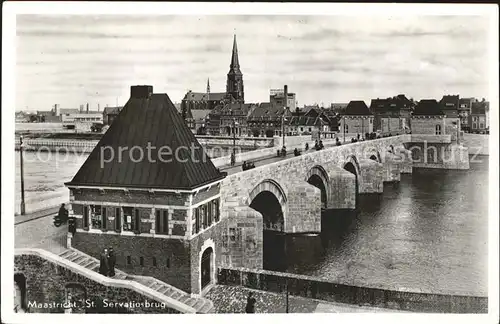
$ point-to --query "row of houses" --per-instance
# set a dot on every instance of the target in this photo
(387, 116)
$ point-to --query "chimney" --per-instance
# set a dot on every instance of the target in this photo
(286, 95)
(98, 107)
(87, 107)
(81, 108)
(141, 91)
(56, 110)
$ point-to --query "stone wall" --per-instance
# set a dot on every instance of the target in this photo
(440, 156)
(132, 197)
(312, 287)
(173, 263)
(47, 276)
(477, 144)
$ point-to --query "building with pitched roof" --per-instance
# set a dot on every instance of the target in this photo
(479, 120)
(149, 190)
(464, 111)
(430, 118)
(391, 115)
(450, 105)
(357, 118)
(268, 120)
(109, 114)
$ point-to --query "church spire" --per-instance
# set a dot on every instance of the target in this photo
(235, 63)
(208, 89)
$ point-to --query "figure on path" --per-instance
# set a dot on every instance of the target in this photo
(250, 308)
(112, 262)
(104, 263)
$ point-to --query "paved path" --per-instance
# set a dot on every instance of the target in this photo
(18, 219)
(40, 233)
(268, 159)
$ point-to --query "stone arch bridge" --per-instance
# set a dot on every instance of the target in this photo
(290, 194)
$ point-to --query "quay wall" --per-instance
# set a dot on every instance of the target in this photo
(312, 287)
(477, 143)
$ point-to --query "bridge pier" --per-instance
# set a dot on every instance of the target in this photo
(406, 164)
(304, 208)
(372, 176)
(392, 167)
(244, 224)
(342, 189)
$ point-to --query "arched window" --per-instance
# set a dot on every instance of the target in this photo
(438, 129)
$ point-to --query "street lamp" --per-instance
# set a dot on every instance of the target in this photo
(233, 155)
(283, 119)
(23, 209)
(343, 126)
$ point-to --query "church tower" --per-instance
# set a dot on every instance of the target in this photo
(234, 85)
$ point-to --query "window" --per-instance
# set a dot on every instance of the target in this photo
(85, 217)
(215, 213)
(474, 125)
(131, 219)
(154, 261)
(346, 128)
(129, 259)
(210, 213)
(168, 263)
(481, 125)
(98, 216)
(118, 220)
(197, 222)
(141, 261)
(161, 221)
(438, 129)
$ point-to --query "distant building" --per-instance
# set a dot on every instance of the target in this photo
(430, 118)
(464, 111)
(268, 120)
(450, 105)
(357, 119)
(391, 115)
(84, 122)
(479, 120)
(231, 118)
(311, 122)
(109, 114)
(277, 98)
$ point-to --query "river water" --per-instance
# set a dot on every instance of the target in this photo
(427, 233)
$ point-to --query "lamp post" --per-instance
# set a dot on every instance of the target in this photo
(23, 209)
(233, 155)
(283, 119)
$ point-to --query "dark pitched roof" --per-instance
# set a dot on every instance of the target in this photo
(68, 111)
(202, 96)
(480, 108)
(428, 107)
(357, 107)
(450, 102)
(112, 110)
(148, 119)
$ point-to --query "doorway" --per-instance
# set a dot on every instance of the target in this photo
(206, 267)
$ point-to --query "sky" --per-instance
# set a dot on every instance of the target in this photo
(72, 60)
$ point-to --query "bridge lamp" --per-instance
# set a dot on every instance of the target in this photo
(233, 155)
(21, 147)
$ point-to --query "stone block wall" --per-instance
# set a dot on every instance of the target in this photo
(172, 256)
(46, 282)
(304, 208)
(132, 197)
(477, 144)
(440, 156)
(372, 176)
(342, 189)
(312, 287)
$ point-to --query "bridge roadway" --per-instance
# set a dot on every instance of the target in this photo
(268, 159)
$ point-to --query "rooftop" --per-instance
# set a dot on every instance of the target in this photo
(357, 107)
(148, 120)
(428, 107)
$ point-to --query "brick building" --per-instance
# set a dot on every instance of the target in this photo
(391, 115)
(430, 118)
(464, 111)
(357, 119)
(109, 114)
(159, 212)
(268, 120)
(450, 105)
(479, 117)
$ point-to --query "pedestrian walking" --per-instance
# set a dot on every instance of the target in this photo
(112, 262)
(250, 308)
(104, 263)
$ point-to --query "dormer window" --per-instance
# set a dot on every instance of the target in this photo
(438, 129)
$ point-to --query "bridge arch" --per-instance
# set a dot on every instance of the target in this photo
(269, 198)
(318, 177)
